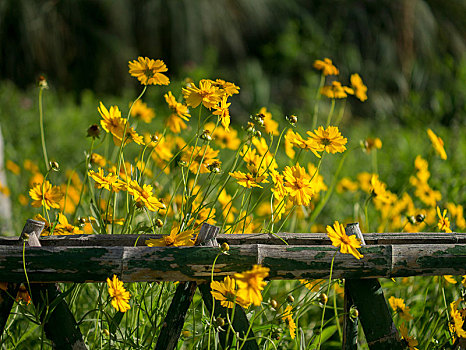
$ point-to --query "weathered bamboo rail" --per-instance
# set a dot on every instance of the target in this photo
(93, 258)
(81, 263)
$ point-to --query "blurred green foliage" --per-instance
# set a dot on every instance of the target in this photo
(411, 54)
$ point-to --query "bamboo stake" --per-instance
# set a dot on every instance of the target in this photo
(58, 321)
(376, 319)
(32, 229)
(350, 324)
(176, 314)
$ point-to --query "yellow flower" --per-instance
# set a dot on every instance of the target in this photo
(295, 139)
(228, 88)
(450, 279)
(456, 321)
(63, 227)
(370, 144)
(287, 317)
(223, 138)
(223, 113)
(178, 108)
(13, 167)
(313, 285)
(443, 222)
(270, 125)
(427, 195)
(109, 182)
(226, 201)
(30, 166)
(298, 184)
(398, 305)
(4, 189)
(207, 94)
(149, 71)
(226, 293)
(143, 196)
(98, 160)
(379, 190)
(360, 90)
(174, 239)
(246, 180)
(411, 343)
(347, 244)
(437, 142)
(346, 184)
(336, 90)
(175, 123)
(142, 112)
(120, 297)
(112, 122)
(200, 157)
(329, 140)
(457, 212)
(326, 66)
(250, 284)
(44, 194)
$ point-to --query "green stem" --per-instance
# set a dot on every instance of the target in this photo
(330, 114)
(42, 134)
(325, 305)
(324, 200)
(316, 105)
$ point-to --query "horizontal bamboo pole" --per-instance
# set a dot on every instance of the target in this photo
(138, 264)
(252, 238)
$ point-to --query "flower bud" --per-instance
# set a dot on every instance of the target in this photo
(290, 299)
(106, 332)
(182, 163)
(411, 219)
(206, 135)
(219, 321)
(323, 298)
(214, 167)
(420, 218)
(81, 221)
(154, 138)
(292, 119)
(158, 223)
(273, 303)
(25, 236)
(354, 313)
(93, 131)
(225, 247)
(257, 133)
(43, 82)
(54, 166)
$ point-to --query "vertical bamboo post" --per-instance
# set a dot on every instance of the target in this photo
(376, 319)
(33, 229)
(350, 325)
(176, 314)
(58, 321)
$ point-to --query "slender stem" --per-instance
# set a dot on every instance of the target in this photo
(42, 134)
(324, 200)
(325, 304)
(317, 99)
(330, 114)
(341, 113)
(340, 333)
